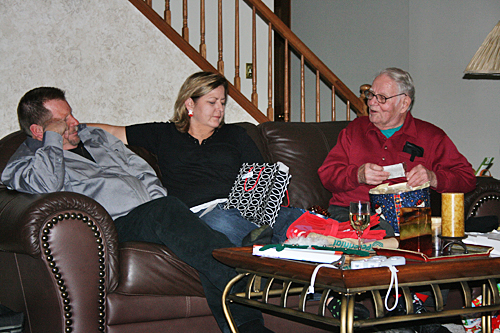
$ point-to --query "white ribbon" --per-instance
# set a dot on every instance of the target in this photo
(310, 290)
(394, 280)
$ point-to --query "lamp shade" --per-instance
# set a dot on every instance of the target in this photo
(487, 58)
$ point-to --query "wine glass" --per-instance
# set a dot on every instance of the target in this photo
(359, 216)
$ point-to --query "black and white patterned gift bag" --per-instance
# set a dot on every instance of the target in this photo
(258, 191)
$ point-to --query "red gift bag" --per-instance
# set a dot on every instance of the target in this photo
(309, 222)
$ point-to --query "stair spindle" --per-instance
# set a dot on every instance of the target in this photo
(220, 62)
(334, 117)
(255, 98)
(203, 46)
(318, 111)
(302, 91)
(185, 29)
(168, 13)
(270, 111)
(287, 92)
(237, 79)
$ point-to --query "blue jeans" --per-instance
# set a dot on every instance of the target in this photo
(236, 227)
(169, 221)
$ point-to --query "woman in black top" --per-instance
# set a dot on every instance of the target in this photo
(200, 156)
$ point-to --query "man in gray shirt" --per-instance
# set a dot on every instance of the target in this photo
(62, 155)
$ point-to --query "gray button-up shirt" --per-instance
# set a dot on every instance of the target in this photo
(119, 179)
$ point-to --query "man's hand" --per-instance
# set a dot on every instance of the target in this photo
(419, 175)
(57, 125)
(372, 174)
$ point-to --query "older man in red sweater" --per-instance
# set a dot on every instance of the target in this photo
(390, 135)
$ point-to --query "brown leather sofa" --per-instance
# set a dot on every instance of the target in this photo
(61, 263)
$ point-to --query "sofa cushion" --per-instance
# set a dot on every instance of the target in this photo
(152, 269)
(302, 147)
(128, 309)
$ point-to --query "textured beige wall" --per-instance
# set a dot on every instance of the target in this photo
(112, 62)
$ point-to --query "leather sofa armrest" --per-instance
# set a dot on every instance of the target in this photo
(485, 199)
(64, 228)
(153, 269)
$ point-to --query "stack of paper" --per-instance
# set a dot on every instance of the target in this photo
(491, 239)
(308, 254)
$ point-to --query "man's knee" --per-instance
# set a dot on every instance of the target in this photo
(170, 203)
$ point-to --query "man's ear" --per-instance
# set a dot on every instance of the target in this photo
(189, 103)
(406, 103)
(36, 132)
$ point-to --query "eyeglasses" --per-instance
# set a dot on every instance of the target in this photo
(380, 98)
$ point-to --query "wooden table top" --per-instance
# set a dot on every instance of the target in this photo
(413, 273)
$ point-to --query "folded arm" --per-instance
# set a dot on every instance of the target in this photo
(40, 171)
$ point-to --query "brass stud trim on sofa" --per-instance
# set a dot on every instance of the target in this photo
(59, 277)
(482, 201)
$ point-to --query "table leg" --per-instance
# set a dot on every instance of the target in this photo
(378, 303)
(486, 318)
(225, 302)
(438, 297)
(347, 314)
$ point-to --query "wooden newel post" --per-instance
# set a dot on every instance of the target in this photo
(362, 96)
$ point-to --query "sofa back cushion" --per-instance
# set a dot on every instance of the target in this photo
(302, 147)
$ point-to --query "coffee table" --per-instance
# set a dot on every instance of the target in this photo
(294, 278)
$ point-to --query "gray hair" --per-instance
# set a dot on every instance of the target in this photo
(404, 81)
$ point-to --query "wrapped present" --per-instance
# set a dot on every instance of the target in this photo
(387, 200)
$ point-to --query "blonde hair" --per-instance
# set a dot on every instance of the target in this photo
(197, 85)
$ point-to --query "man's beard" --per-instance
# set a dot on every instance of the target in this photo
(73, 138)
(75, 141)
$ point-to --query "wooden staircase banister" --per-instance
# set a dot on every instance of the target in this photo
(342, 90)
(195, 56)
(292, 45)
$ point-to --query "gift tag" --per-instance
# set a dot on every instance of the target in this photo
(249, 174)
